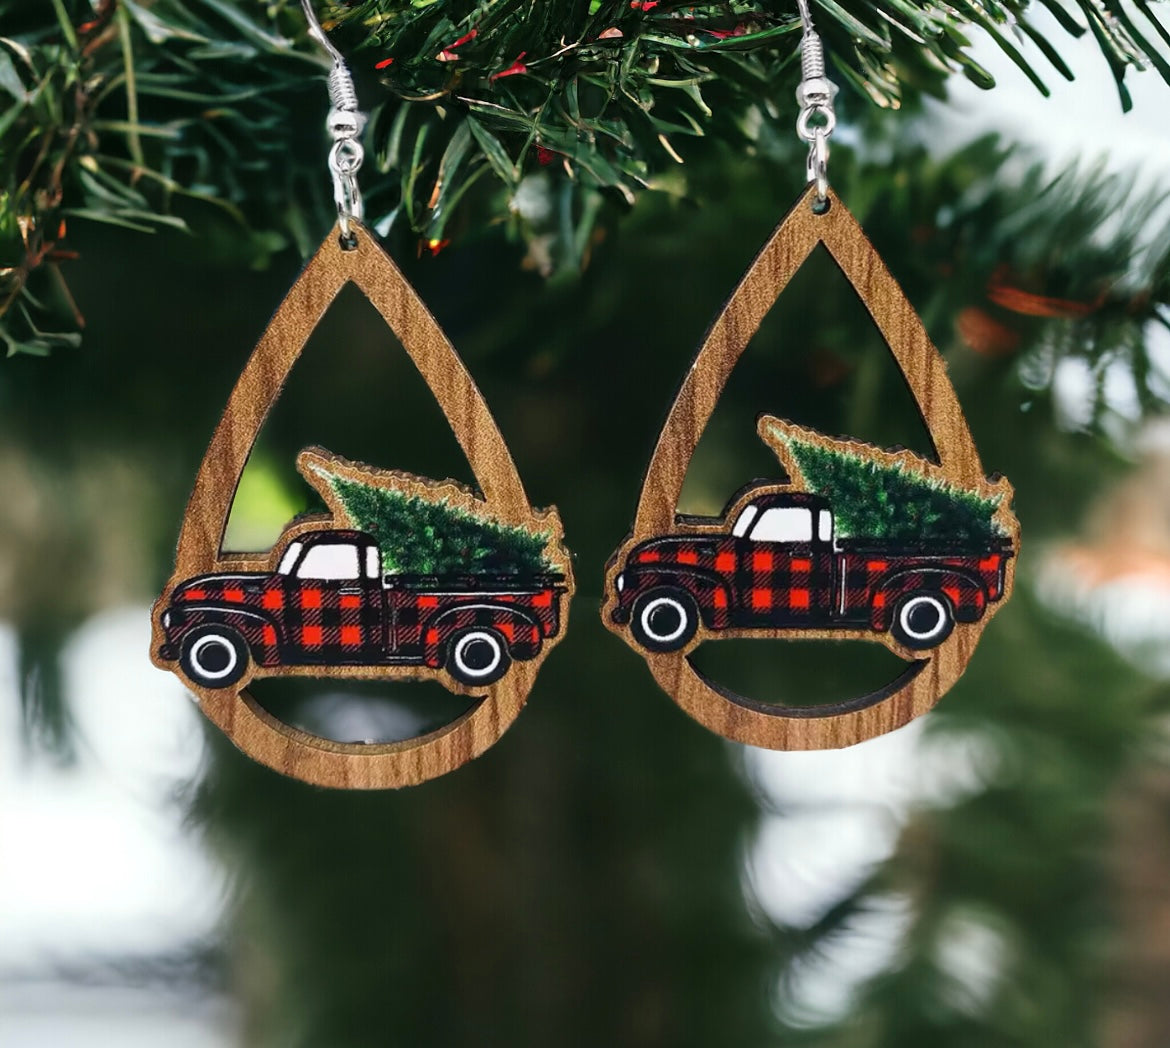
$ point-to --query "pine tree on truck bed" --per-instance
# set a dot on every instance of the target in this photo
(895, 497)
(425, 529)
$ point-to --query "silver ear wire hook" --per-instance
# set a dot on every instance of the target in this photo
(319, 34)
(815, 96)
(344, 123)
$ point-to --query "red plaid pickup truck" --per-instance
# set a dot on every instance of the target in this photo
(780, 566)
(326, 603)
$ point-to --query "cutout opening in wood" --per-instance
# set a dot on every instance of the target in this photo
(797, 674)
(807, 363)
(361, 712)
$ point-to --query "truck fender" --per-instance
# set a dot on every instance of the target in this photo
(520, 628)
(709, 589)
(262, 633)
(966, 592)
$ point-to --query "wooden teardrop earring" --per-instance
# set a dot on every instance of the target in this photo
(403, 578)
(816, 558)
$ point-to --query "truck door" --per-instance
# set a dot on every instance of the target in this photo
(413, 608)
(786, 560)
(337, 613)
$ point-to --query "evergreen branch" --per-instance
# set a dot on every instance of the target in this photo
(1039, 268)
(117, 110)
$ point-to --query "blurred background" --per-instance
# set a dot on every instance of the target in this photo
(995, 873)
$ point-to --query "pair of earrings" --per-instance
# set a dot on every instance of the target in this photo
(410, 578)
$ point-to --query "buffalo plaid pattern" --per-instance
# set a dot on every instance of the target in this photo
(741, 583)
(428, 634)
(288, 621)
(424, 621)
(968, 597)
(260, 635)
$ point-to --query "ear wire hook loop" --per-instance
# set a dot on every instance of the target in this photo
(815, 96)
(344, 124)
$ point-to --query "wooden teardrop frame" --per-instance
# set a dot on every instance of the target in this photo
(926, 678)
(252, 728)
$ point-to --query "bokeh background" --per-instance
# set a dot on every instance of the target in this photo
(993, 874)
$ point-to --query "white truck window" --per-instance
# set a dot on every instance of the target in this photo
(331, 560)
(825, 527)
(373, 563)
(784, 524)
(290, 557)
(745, 521)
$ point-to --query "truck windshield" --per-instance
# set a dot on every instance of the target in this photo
(331, 560)
(290, 557)
(784, 524)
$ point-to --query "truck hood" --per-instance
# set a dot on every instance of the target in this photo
(668, 547)
(211, 587)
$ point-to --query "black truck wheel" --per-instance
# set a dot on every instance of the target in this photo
(664, 619)
(923, 620)
(477, 656)
(214, 656)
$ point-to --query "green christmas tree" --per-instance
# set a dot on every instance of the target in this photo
(898, 499)
(424, 528)
(433, 538)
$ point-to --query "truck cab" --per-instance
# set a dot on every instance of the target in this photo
(333, 556)
(767, 562)
(785, 517)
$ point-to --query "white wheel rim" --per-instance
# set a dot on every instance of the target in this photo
(907, 612)
(213, 640)
(653, 606)
(470, 638)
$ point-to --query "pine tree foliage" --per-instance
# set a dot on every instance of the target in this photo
(888, 501)
(1036, 268)
(610, 91)
(419, 536)
(544, 115)
(131, 114)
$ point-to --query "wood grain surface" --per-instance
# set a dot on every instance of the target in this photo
(927, 677)
(255, 731)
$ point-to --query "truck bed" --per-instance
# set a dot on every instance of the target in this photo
(503, 583)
